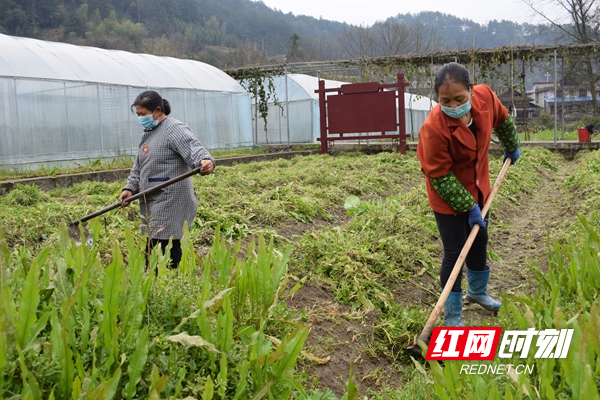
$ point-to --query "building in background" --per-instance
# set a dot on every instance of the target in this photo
(573, 101)
(519, 107)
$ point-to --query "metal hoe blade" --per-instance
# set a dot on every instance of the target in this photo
(415, 349)
(79, 233)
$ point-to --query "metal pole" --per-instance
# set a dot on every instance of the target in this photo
(20, 127)
(287, 106)
(524, 100)
(555, 99)
(512, 85)
(100, 117)
(562, 96)
(315, 134)
(67, 115)
(255, 144)
(473, 59)
(130, 148)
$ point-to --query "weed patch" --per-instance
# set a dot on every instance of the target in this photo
(354, 231)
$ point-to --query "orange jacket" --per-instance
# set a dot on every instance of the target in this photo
(447, 144)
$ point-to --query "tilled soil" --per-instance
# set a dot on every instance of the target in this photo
(519, 237)
(524, 241)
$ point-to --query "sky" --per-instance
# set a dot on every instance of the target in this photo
(367, 12)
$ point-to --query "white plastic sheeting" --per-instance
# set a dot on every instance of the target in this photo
(61, 103)
(302, 106)
(416, 110)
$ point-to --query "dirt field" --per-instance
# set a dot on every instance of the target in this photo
(369, 278)
(519, 238)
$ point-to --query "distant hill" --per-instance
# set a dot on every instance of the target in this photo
(254, 22)
(229, 33)
(463, 33)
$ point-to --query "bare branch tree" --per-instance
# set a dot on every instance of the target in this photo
(394, 38)
(426, 38)
(323, 48)
(358, 42)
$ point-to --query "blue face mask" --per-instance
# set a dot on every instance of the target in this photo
(148, 122)
(459, 111)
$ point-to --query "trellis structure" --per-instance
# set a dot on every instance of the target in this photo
(501, 67)
(480, 57)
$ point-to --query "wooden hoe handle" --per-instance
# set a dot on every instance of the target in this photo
(428, 329)
(136, 196)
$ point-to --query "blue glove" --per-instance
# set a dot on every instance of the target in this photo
(513, 155)
(475, 217)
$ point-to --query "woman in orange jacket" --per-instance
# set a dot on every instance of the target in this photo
(453, 151)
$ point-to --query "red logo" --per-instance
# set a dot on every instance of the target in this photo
(463, 343)
(145, 149)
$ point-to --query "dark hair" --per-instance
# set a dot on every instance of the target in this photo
(151, 100)
(452, 72)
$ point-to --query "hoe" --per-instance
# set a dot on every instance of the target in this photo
(76, 231)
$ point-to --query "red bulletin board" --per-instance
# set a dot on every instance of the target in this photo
(364, 108)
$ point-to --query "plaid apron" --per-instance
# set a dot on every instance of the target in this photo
(165, 152)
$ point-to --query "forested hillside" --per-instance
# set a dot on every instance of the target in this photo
(230, 33)
(465, 33)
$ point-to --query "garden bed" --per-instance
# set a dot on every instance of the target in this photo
(362, 271)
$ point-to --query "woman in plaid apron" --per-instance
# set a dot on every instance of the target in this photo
(168, 148)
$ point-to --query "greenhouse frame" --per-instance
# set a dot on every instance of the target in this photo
(297, 111)
(62, 103)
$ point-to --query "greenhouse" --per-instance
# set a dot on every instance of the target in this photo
(296, 111)
(63, 103)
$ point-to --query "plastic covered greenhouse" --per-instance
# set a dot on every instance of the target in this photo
(62, 103)
(301, 108)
